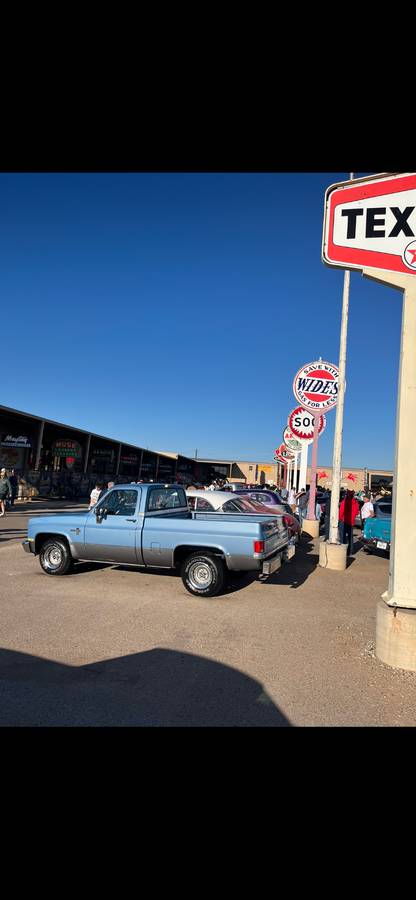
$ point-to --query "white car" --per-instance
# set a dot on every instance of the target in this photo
(224, 502)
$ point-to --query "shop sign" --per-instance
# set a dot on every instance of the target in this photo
(67, 449)
(19, 441)
(131, 459)
(102, 454)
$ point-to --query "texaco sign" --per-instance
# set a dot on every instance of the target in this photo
(371, 223)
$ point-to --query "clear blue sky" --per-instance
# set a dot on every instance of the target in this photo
(173, 310)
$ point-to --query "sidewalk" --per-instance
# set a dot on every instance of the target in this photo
(13, 526)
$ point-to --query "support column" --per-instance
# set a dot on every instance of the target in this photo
(118, 459)
(39, 444)
(140, 466)
(311, 525)
(396, 614)
(303, 465)
(87, 453)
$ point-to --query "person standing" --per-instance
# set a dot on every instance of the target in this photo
(14, 487)
(5, 491)
(348, 512)
(292, 499)
(303, 501)
(367, 511)
(95, 494)
(327, 515)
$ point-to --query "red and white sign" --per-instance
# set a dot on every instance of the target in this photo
(283, 454)
(315, 386)
(371, 223)
(291, 441)
(301, 423)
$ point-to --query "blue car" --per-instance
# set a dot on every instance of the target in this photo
(377, 529)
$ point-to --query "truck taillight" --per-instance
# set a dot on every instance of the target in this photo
(259, 546)
(287, 521)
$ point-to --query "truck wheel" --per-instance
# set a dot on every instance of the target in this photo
(55, 557)
(203, 574)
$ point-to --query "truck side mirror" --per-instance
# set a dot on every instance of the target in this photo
(100, 514)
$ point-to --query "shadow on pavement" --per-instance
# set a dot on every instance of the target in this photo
(83, 567)
(158, 687)
(297, 570)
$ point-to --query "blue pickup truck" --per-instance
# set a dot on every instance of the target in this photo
(150, 525)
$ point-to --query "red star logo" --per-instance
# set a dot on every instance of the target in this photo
(412, 261)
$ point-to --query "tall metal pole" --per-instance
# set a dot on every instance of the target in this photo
(337, 454)
(288, 475)
(303, 465)
(295, 471)
(314, 463)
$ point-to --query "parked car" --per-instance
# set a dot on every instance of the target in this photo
(270, 498)
(218, 501)
(150, 525)
(377, 529)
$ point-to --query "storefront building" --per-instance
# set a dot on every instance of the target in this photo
(56, 460)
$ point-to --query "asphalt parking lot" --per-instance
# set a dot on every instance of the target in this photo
(109, 645)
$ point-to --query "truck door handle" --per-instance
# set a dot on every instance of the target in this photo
(131, 520)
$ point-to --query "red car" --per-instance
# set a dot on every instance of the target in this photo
(224, 501)
(291, 522)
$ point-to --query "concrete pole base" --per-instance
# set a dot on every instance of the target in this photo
(396, 636)
(311, 527)
(333, 556)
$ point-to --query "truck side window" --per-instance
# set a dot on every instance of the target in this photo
(119, 503)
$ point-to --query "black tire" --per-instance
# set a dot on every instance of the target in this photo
(203, 574)
(55, 557)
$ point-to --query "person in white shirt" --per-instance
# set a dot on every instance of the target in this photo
(94, 495)
(367, 511)
(292, 498)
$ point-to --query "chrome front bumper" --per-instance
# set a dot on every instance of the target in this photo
(28, 546)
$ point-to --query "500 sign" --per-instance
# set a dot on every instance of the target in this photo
(301, 423)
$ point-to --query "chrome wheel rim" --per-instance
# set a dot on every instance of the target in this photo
(200, 575)
(53, 557)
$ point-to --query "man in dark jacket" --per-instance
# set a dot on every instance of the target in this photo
(5, 491)
(14, 487)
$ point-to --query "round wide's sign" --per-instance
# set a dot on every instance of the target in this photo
(315, 386)
(371, 223)
(290, 441)
(301, 423)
